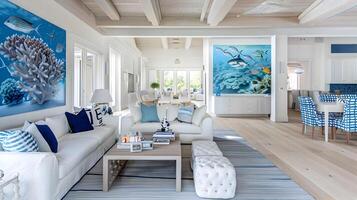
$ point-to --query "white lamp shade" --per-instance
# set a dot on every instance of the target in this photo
(101, 96)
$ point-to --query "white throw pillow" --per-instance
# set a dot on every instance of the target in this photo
(42, 144)
(198, 115)
(135, 111)
(172, 112)
(58, 124)
(161, 111)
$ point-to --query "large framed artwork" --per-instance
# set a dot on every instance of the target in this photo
(32, 62)
(241, 69)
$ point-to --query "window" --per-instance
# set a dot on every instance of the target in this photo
(169, 80)
(195, 81)
(86, 79)
(181, 81)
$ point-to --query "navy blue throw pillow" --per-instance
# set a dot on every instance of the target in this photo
(79, 122)
(49, 136)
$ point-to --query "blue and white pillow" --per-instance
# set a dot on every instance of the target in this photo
(185, 113)
(3, 135)
(18, 141)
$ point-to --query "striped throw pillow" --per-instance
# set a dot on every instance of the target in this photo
(3, 135)
(185, 113)
(19, 141)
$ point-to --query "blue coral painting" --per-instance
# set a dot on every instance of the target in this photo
(32, 62)
(241, 69)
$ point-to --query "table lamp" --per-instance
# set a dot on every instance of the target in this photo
(102, 97)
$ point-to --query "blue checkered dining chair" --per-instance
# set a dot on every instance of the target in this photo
(311, 117)
(348, 122)
(345, 97)
(328, 97)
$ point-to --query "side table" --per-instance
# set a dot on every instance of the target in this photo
(7, 180)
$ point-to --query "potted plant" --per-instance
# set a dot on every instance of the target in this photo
(155, 86)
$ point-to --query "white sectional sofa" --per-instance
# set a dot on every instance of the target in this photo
(187, 132)
(47, 175)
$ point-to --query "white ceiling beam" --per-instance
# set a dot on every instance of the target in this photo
(204, 9)
(165, 43)
(109, 9)
(152, 11)
(321, 10)
(188, 43)
(219, 10)
(194, 22)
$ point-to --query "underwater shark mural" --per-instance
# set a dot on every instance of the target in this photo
(32, 62)
(241, 69)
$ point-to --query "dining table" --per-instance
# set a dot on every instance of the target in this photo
(327, 108)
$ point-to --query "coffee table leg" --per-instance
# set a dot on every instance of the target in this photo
(105, 174)
(178, 174)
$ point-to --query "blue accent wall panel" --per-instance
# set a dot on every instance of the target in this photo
(343, 48)
(344, 88)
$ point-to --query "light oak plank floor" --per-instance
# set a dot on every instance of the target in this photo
(325, 170)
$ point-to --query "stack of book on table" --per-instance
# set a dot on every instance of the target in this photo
(163, 137)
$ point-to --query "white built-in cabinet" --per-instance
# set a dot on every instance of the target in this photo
(242, 105)
(344, 70)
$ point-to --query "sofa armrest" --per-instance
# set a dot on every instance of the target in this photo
(207, 127)
(38, 173)
(126, 123)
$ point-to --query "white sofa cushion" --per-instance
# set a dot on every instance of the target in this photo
(58, 124)
(146, 127)
(72, 148)
(100, 133)
(42, 144)
(180, 127)
(172, 112)
(161, 111)
(198, 115)
(135, 111)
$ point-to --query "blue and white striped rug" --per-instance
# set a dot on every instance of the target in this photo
(258, 178)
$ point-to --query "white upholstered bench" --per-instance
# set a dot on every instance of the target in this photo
(214, 175)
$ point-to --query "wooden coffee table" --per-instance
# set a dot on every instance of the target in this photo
(160, 152)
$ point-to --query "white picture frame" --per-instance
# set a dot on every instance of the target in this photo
(136, 147)
(147, 145)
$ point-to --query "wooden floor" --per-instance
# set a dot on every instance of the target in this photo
(325, 170)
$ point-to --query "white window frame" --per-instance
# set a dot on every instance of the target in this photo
(97, 74)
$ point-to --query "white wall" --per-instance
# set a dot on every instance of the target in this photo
(318, 52)
(161, 58)
(130, 63)
(345, 64)
(310, 51)
(77, 32)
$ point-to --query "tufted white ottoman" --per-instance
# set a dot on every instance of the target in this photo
(204, 148)
(214, 177)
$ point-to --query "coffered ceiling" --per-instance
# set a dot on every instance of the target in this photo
(117, 14)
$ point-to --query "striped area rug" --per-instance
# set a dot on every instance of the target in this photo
(257, 177)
